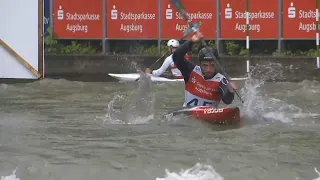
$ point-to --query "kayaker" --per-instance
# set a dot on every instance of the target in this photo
(172, 44)
(203, 85)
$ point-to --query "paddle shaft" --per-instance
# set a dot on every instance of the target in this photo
(178, 5)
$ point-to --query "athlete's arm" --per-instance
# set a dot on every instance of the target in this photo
(163, 67)
(226, 94)
(186, 67)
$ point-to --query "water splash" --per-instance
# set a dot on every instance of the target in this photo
(260, 106)
(197, 172)
(130, 62)
(10, 177)
(137, 107)
(267, 71)
(316, 170)
(3, 87)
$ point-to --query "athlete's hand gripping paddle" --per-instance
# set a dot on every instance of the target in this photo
(195, 28)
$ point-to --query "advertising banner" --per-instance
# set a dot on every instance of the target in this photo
(263, 19)
(77, 19)
(134, 19)
(173, 25)
(299, 19)
(46, 16)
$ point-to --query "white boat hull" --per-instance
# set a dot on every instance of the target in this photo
(134, 76)
(130, 77)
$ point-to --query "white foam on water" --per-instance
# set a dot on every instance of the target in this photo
(10, 177)
(266, 70)
(197, 172)
(264, 107)
(316, 170)
(259, 106)
(123, 115)
(137, 107)
(3, 87)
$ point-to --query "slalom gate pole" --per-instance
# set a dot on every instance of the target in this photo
(247, 36)
(317, 33)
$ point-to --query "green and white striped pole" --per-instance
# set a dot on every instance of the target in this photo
(247, 36)
(317, 33)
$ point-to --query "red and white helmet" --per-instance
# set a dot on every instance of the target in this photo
(173, 42)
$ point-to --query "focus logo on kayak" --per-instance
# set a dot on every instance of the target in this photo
(77, 19)
(132, 19)
(263, 19)
(299, 18)
(173, 25)
(212, 111)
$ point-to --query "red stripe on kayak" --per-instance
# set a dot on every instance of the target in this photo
(212, 115)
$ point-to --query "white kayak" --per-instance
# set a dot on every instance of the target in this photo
(134, 76)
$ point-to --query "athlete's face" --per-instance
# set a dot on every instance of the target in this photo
(208, 68)
(172, 49)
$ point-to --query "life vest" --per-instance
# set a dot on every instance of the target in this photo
(201, 92)
(174, 70)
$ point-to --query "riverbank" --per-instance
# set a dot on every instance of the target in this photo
(96, 68)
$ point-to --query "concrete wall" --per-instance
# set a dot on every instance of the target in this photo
(96, 68)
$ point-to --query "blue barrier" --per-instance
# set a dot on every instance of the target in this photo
(46, 16)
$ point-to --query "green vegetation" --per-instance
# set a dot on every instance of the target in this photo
(53, 46)
(150, 47)
(311, 53)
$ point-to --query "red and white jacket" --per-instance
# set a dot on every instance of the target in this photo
(201, 92)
